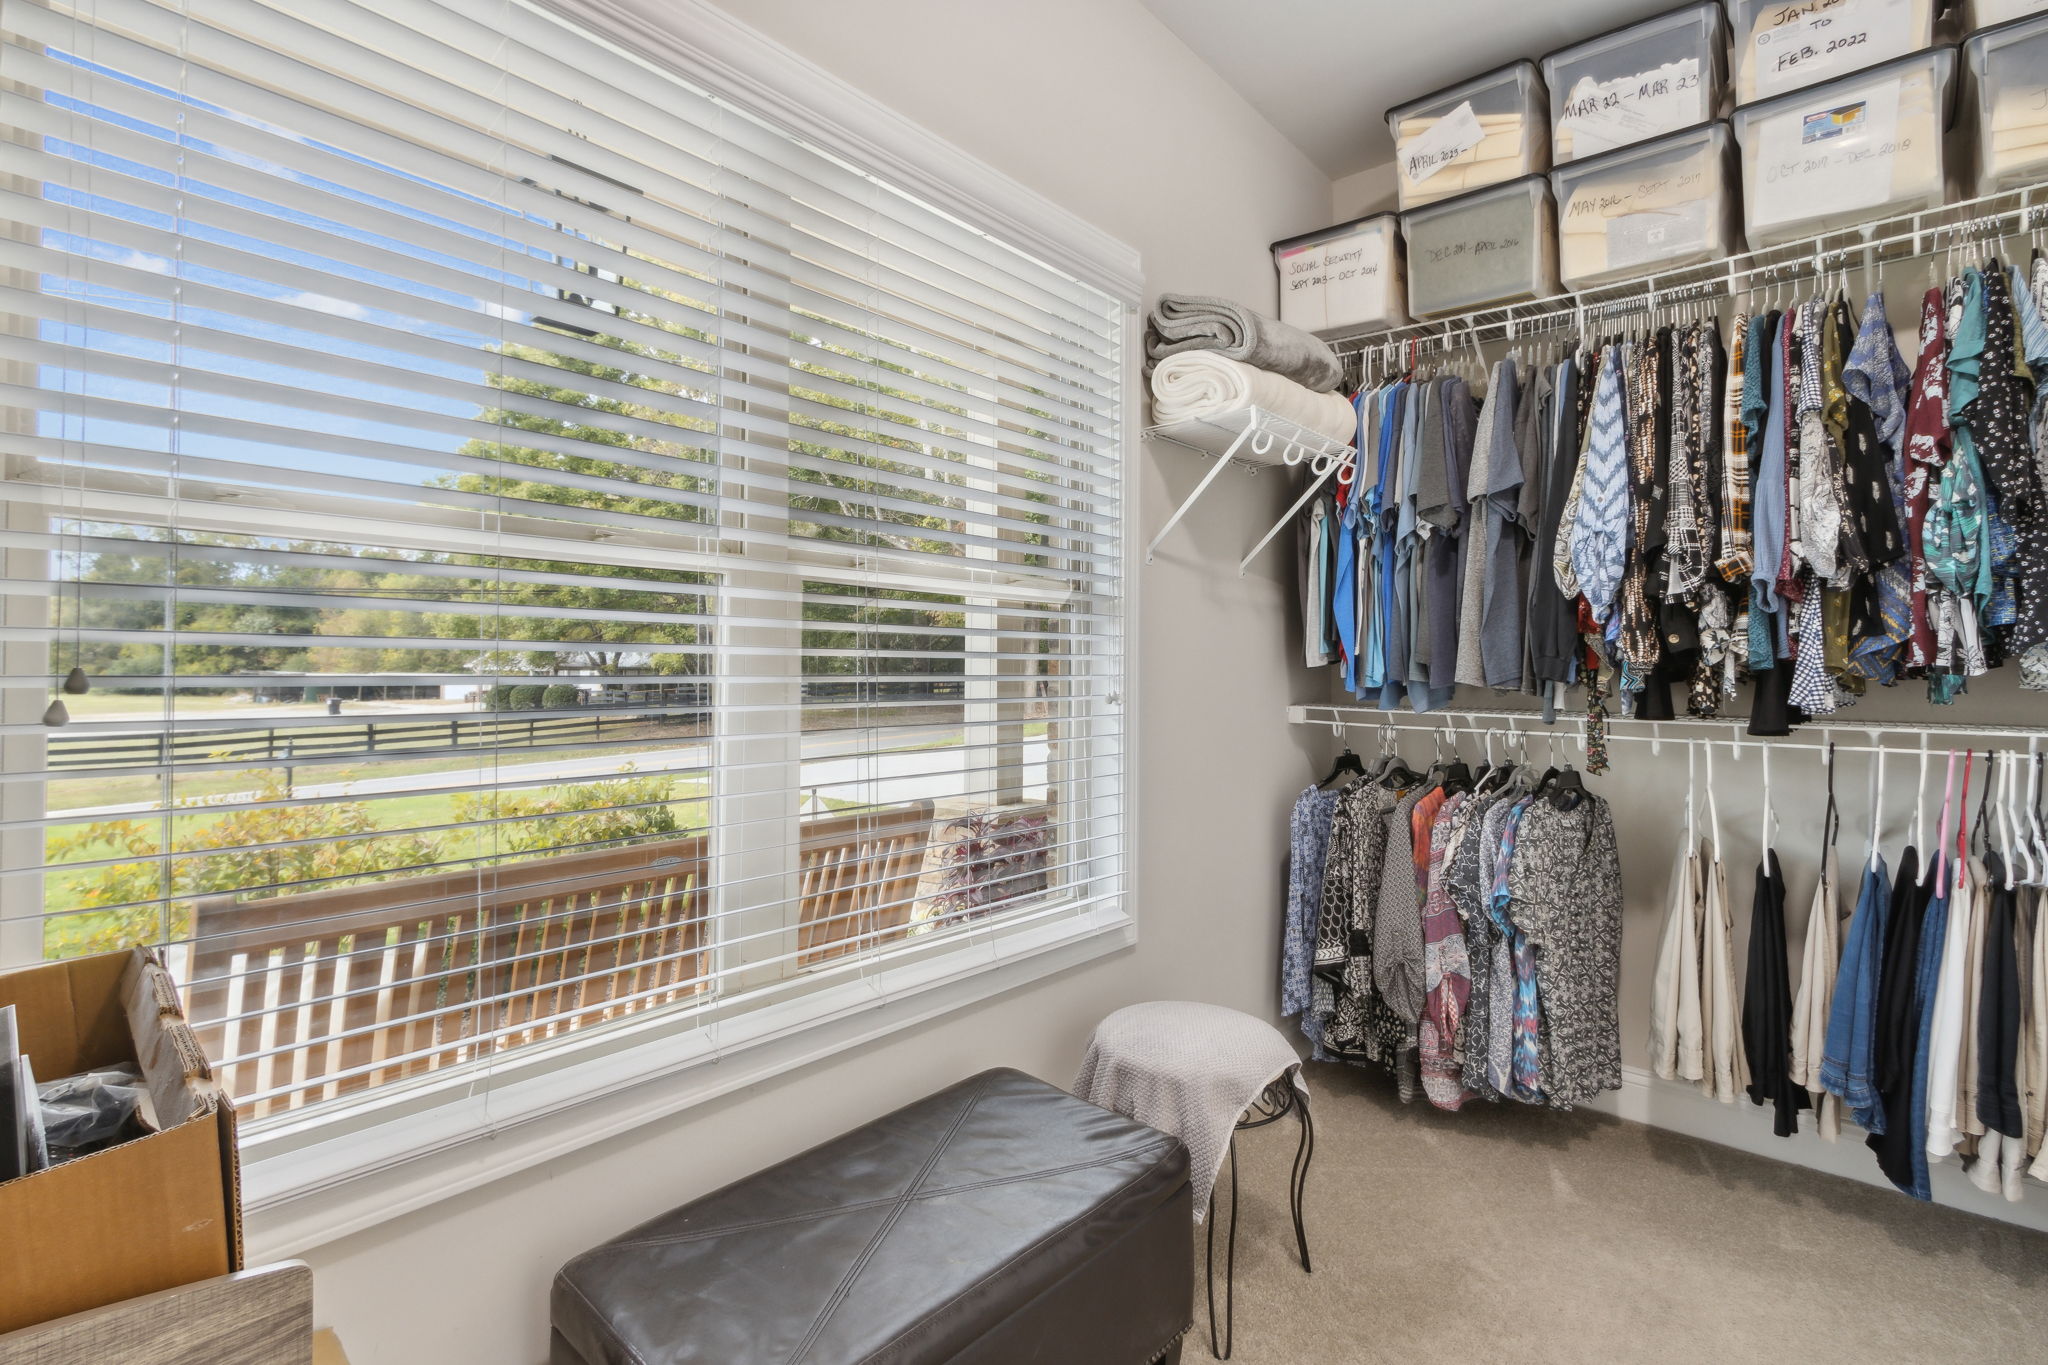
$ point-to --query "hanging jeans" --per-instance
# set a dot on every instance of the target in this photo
(1847, 1066)
(1933, 930)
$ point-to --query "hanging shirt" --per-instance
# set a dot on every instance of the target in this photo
(1767, 1003)
(1507, 540)
(1564, 898)
(1599, 540)
(1768, 497)
(1308, 847)
(1447, 975)
(1527, 1016)
(1928, 446)
(1733, 561)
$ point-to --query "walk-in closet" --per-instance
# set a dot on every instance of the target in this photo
(1043, 682)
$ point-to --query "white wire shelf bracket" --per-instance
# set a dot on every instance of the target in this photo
(1815, 735)
(1865, 246)
(1254, 439)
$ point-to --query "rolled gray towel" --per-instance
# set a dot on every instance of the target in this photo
(1195, 322)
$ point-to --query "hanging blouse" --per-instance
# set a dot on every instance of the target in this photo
(1927, 455)
(1565, 899)
(1447, 975)
(1767, 1003)
(1599, 540)
(1308, 850)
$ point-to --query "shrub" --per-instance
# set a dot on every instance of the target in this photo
(576, 816)
(996, 858)
(527, 697)
(498, 698)
(557, 696)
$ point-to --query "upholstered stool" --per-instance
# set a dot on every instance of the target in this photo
(1203, 1073)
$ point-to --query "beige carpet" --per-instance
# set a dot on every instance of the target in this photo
(1516, 1235)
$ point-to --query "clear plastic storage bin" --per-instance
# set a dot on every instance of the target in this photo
(1786, 45)
(1343, 279)
(2006, 84)
(1979, 14)
(1866, 146)
(1636, 83)
(1496, 245)
(1656, 206)
(1489, 130)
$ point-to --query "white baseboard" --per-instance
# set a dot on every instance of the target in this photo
(1681, 1108)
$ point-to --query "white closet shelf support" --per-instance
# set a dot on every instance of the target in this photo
(1255, 439)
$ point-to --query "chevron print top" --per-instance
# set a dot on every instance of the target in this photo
(1600, 531)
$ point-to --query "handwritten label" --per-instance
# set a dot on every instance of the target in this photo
(1839, 157)
(1442, 143)
(1796, 45)
(1602, 115)
(1335, 283)
(1475, 247)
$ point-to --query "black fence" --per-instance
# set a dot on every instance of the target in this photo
(393, 738)
(611, 710)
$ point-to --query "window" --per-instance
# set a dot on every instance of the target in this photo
(557, 561)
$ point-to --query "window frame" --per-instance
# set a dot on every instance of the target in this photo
(307, 1182)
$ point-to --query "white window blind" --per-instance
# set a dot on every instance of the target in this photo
(553, 555)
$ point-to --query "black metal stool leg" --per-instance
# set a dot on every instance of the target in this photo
(1222, 1351)
(1298, 1185)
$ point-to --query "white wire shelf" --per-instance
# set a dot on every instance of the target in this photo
(1864, 246)
(1817, 734)
(1254, 439)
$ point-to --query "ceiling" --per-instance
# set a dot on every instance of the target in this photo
(1324, 71)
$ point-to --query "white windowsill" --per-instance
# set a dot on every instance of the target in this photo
(301, 1195)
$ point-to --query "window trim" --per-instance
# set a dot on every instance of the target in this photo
(300, 1193)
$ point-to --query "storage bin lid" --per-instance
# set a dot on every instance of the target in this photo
(1391, 219)
(1533, 184)
(1941, 55)
(1979, 46)
(1713, 132)
(1706, 16)
(1522, 72)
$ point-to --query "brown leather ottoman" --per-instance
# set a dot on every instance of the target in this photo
(998, 1222)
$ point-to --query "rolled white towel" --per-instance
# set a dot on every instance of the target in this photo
(1203, 384)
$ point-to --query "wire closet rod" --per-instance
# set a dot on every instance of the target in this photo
(1651, 732)
(1904, 237)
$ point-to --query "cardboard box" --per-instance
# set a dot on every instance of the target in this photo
(157, 1212)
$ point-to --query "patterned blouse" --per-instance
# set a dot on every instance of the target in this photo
(1564, 894)
(1308, 846)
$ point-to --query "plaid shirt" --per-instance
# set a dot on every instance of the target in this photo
(1735, 561)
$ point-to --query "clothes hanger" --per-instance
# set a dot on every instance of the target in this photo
(2034, 815)
(1876, 807)
(1568, 792)
(1691, 790)
(1919, 817)
(1939, 859)
(2017, 856)
(1713, 808)
(1347, 762)
(1831, 819)
(1457, 774)
(1764, 826)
